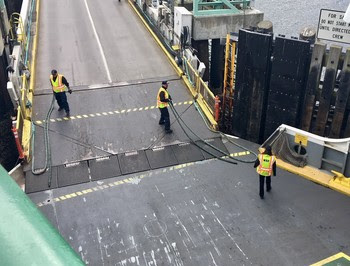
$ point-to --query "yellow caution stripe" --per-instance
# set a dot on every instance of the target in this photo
(132, 180)
(107, 113)
(337, 259)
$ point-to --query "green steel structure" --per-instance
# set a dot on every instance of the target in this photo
(219, 7)
(26, 236)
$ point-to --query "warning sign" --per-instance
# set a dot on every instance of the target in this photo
(300, 139)
(332, 27)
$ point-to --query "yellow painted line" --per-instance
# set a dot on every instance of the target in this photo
(124, 181)
(155, 37)
(39, 122)
(202, 104)
(317, 176)
(332, 259)
(174, 104)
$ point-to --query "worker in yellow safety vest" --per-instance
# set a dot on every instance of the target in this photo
(163, 99)
(59, 86)
(265, 165)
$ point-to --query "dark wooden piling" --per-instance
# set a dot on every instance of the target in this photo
(327, 90)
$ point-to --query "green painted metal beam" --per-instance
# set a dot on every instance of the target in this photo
(218, 7)
(26, 236)
(219, 2)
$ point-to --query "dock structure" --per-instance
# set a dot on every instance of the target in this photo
(122, 192)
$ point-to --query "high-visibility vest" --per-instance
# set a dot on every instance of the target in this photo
(266, 163)
(57, 85)
(166, 96)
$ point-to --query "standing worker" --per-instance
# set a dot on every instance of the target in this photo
(265, 165)
(163, 100)
(59, 86)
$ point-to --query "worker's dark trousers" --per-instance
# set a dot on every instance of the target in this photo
(62, 102)
(262, 182)
(164, 117)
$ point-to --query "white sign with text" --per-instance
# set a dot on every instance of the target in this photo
(332, 27)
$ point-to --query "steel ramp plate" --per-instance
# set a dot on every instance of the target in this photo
(187, 152)
(216, 142)
(73, 173)
(35, 183)
(132, 162)
(161, 157)
(104, 167)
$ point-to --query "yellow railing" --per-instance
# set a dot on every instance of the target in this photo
(17, 31)
(24, 114)
(200, 87)
(190, 84)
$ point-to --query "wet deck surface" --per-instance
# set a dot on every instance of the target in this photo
(200, 213)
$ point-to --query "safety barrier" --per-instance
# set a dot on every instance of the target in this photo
(194, 83)
(322, 153)
(299, 148)
(199, 86)
(20, 90)
(27, 237)
(17, 30)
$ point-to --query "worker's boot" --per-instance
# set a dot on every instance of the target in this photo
(67, 114)
(168, 131)
(60, 109)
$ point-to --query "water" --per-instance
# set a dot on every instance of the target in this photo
(290, 16)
